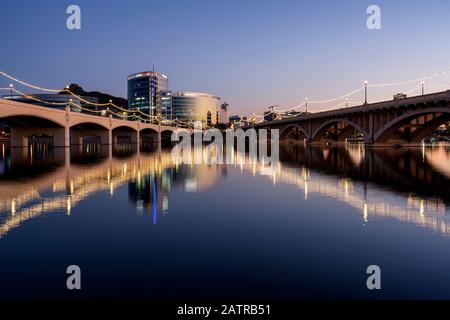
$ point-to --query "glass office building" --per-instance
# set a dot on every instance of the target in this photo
(144, 91)
(166, 106)
(195, 106)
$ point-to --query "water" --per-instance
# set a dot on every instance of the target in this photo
(140, 226)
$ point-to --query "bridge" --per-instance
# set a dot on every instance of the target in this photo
(65, 127)
(405, 121)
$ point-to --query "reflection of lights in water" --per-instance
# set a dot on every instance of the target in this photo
(3, 151)
(71, 187)
(139, 178)
(346, 184)
(356, 152)
(374, 201)
(140, 206)
(365, 212)
(423, 151)
(306, 190)
(422, 210)
(190, 185)
(69, 205)
(305, 173)
(111, 189)
(124, 171)
(155, 197)
(165, 204)
(13, 207)
(88, 181)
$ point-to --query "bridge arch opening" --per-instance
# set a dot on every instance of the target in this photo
(338, 131)
(166, 138)
(413, 127)
(149, 137)
(88, 133)
(293, 133)
(124, 135)
(26, 130)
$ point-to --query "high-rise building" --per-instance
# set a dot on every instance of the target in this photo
(144, 91)
(166, 106)
(195, 106)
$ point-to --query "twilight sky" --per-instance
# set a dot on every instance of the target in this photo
(252, 53)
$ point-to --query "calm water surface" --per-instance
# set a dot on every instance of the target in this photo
(141, 226)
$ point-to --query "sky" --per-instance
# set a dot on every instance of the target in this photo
(253, 54)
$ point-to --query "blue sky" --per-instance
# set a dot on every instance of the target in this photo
(251, 53)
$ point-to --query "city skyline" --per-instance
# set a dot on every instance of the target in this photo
(234, 50)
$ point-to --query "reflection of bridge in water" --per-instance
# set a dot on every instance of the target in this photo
(66, 183)
(397, 183)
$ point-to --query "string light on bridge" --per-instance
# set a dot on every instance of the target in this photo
(253, 118)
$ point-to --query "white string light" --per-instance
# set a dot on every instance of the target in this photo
(253, 118)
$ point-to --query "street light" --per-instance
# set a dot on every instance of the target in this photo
(365, 92)
(306, 105)
(423, 88)
(11, 86)
(346, 102)
(67, 95)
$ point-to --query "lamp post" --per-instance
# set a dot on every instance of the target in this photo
(306, 105)
(365, 92)
(423, 88)
(11, 91)
(346, 102)
(67, 95)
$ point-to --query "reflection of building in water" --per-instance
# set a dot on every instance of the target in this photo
(151, 192)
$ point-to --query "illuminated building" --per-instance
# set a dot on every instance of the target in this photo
(144, 91)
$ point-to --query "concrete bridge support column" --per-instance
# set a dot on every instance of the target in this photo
(370, 138)
(18, 139)
(67, 137)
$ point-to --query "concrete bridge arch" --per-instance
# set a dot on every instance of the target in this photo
(428, 120)
(293, 130)
(341, 132)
